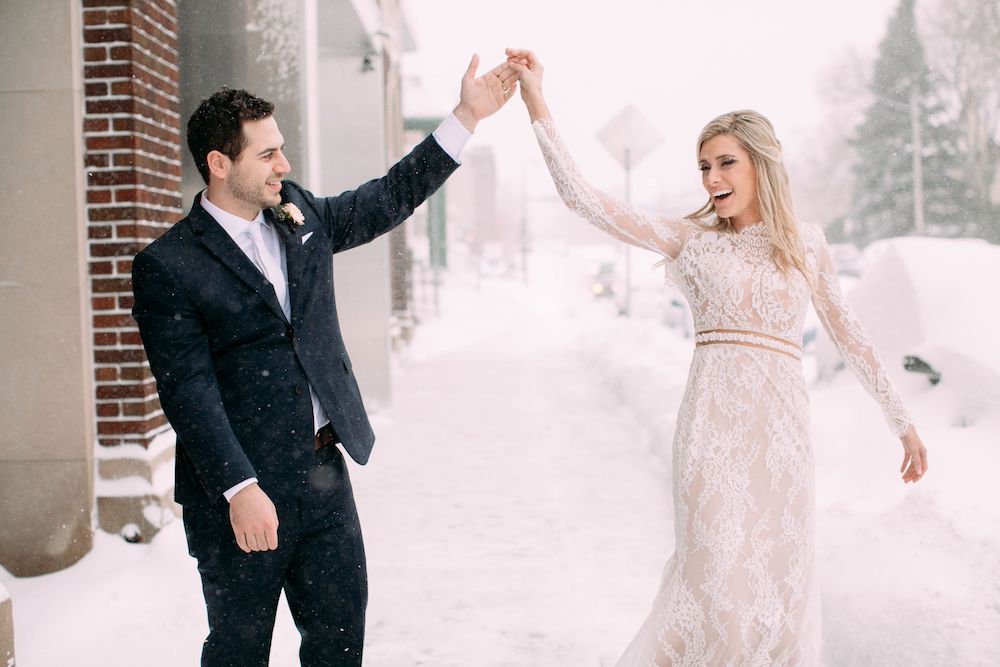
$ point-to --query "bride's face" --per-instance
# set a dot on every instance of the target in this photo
(730, 179)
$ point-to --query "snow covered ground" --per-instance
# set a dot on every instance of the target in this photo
(517, 507)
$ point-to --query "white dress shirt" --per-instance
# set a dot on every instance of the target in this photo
(452, 136)
(263, 246)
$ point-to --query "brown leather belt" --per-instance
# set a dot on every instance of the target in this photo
(325, 436)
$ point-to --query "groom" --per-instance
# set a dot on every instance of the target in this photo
(236, 309)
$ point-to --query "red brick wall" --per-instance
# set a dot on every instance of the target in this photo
(132, 138)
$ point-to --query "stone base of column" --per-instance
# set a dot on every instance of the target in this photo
(136, 518)
(402, 326)
(45, 524)
(135, 488)
(6, 629)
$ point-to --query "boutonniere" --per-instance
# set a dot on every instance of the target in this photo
(289, 214)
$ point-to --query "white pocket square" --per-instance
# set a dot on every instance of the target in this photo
(306, 237)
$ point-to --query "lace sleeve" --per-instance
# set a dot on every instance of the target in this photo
(611, 215)
(845, 330)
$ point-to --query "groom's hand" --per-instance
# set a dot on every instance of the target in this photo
(254, 519)
(483, 96)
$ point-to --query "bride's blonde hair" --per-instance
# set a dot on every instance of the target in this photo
(756, 134)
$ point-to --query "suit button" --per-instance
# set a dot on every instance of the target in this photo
(298, 390)
(289, 332)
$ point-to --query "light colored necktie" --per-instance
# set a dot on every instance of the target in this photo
(269, 265)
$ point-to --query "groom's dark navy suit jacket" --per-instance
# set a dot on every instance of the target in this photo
(233, 373)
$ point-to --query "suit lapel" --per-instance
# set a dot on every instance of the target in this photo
(294, 258)
(215, 238)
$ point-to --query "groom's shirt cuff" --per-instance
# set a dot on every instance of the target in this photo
(239, 487)
(452, 136)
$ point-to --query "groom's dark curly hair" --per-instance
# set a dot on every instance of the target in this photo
(217, 125)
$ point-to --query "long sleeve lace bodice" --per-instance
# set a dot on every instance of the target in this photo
(729, 278)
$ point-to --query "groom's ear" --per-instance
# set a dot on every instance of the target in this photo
(219, 164)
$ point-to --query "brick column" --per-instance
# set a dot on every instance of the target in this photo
(132, 155)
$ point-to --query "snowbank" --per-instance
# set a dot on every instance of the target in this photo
(934, 299)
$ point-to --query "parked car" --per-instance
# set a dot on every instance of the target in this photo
(603, 283)
(926, 304)
(847, 259)
(493, 262)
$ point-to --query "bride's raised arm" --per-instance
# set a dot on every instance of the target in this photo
(612, 215)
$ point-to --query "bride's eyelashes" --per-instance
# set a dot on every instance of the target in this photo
(725, 163)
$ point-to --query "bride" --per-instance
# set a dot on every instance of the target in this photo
(740, 588)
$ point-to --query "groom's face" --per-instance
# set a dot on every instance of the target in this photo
(255, 178)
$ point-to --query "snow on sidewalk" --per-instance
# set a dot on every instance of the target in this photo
(516, 512)
(512, 512)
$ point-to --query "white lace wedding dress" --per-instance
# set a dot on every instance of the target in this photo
(740, 588)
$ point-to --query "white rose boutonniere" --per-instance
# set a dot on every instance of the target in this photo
(289, 214)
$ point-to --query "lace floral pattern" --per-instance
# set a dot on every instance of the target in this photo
(740, 588)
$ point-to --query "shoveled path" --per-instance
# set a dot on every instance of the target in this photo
(511, 513)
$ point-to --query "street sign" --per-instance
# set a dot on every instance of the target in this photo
(629, 137)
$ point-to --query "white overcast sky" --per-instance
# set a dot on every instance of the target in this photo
(680, 62)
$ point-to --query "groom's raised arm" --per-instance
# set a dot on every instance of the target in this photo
(374, 208)
(358, 216)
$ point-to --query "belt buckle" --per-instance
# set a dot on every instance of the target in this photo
(324, 437)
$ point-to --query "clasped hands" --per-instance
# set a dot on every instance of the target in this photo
(485, 95)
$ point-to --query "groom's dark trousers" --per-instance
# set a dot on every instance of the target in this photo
(233, 376)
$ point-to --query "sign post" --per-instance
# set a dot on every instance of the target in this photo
(629, 137)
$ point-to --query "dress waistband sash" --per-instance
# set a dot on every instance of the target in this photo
(749, 339)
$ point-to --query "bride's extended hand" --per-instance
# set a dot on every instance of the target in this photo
(914, 456)
(529, 73)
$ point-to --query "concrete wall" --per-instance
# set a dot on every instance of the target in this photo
(348, 114)
(352, 150)
(46, 392)
(248, 44)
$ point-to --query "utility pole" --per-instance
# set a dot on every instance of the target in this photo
(918, 163)
(627, 163)
(524, 226)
